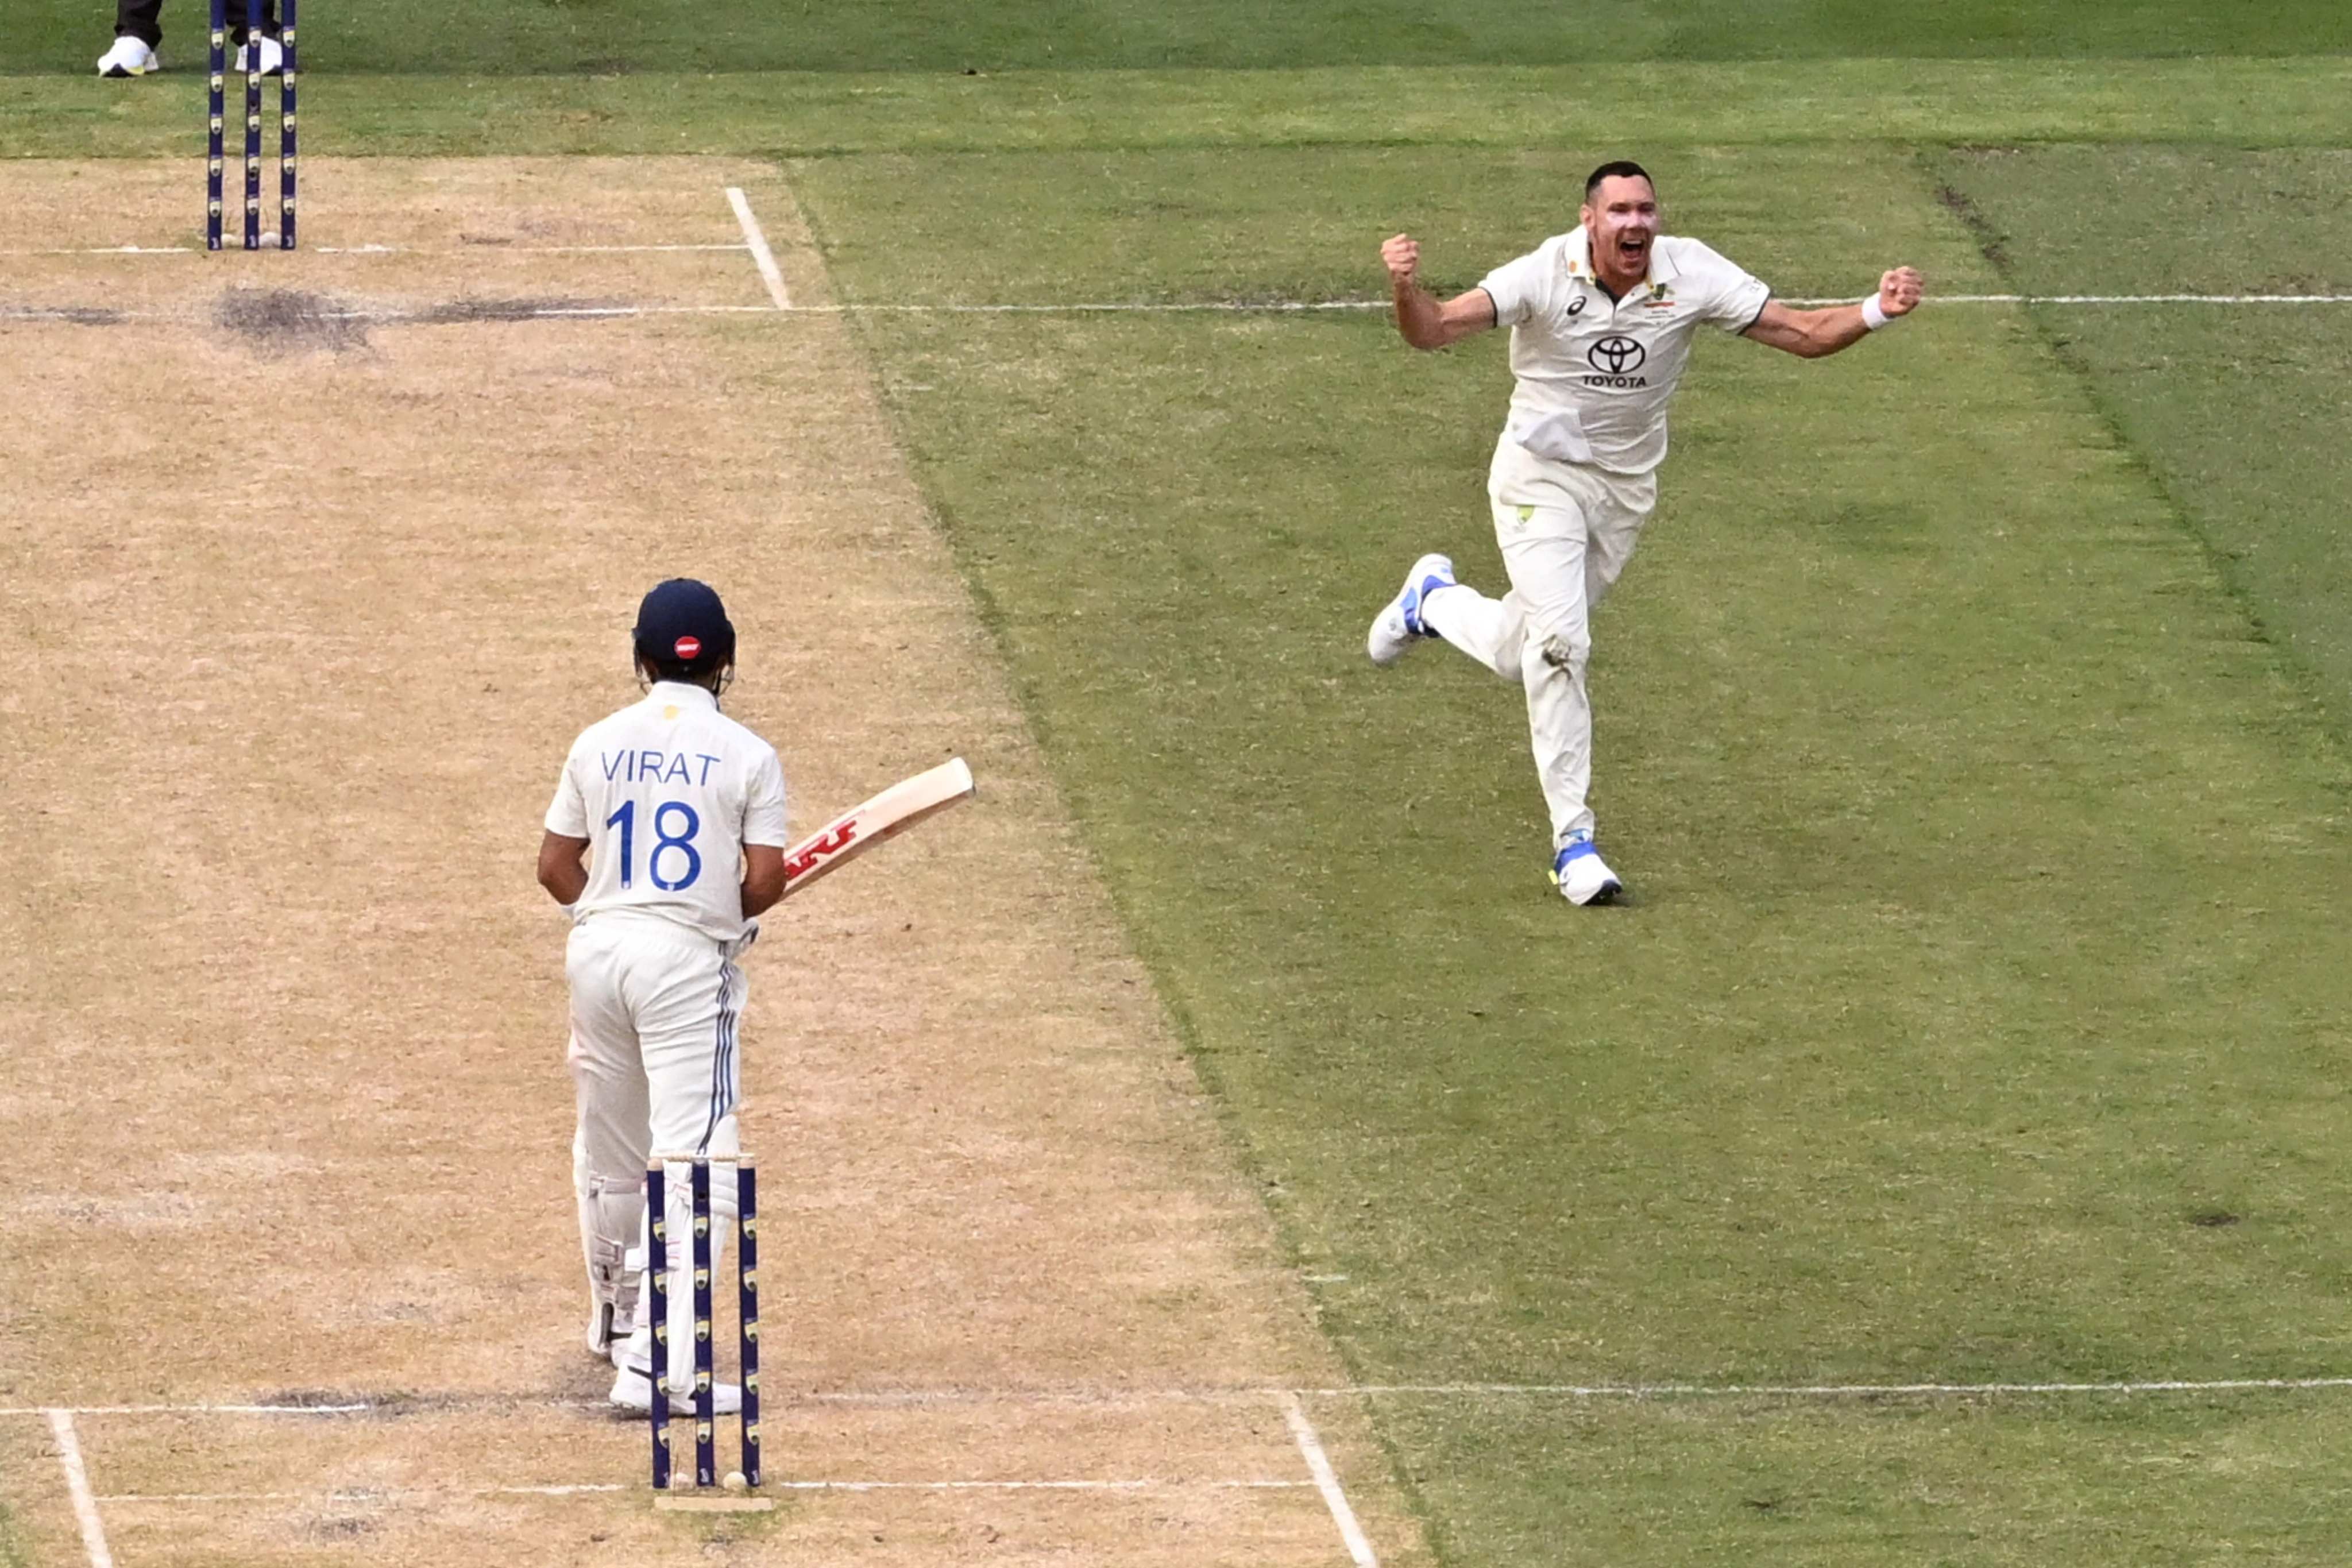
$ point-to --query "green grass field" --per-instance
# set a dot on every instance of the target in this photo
(1973, 724)
(1987, 952)
(524, 37)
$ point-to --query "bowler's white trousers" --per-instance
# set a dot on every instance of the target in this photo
(1566, 530)
(656, 1008)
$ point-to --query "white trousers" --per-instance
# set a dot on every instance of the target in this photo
(656, 1009)
(1566, 533)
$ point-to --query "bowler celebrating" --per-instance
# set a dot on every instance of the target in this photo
(1600, 321)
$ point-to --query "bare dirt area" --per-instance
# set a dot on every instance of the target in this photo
(312, 564)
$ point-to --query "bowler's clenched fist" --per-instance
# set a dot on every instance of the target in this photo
(1898, 291)
(1400, 254)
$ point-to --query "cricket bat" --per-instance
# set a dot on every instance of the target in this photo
(861, 827)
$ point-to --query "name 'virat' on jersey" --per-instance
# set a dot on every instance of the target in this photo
(1594, 375)
(667, 791)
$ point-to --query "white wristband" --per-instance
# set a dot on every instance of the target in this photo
(1873, 318)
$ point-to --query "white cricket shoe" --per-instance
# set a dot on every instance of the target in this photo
(273, 57)
(633, 1392)
(129, 57)
(1398, 624)
(1582, 876)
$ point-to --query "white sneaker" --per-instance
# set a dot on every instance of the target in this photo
(1398, 624)
(273, 57)
(1582, 876)
(129, 57)
(633, 1391)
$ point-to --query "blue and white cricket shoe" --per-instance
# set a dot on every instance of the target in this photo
(1583, 878)
(1397, 626)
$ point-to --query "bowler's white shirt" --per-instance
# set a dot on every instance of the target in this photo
(1594, 373)
(667, 791)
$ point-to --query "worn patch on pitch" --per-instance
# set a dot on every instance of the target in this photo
(289, 321)
(528, 308)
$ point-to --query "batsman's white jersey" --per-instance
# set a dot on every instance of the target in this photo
(667, 791)
(1574, 475)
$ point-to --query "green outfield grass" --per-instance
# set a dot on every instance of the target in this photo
(2294, 103)
(1973, 722)
(1975, 1017)
(524, 37)
(2249, 1478)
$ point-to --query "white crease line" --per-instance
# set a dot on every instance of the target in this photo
(1287, 306)
(401, 249)
(1822, 1390)
(493, 250)
(2143, 299)
(1326, 1481)
(761, 255)
(393, 1494)
(85, 1506)
(1122, 1486)
(112, 1498)
(365, 1494)
(104, 316)
(189, 1409)
(597, 249)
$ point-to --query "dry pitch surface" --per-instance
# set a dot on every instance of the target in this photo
(312, 564)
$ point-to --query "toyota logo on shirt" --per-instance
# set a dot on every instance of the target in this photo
(1616, 356)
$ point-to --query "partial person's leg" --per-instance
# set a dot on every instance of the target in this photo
(688, 1005)
(1488, 630)
(1612, 533)
(612, 1136)
(241, 21)
(137, 31)
(1545, 550)
(139, 19)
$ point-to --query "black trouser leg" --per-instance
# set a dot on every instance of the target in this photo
(137, 19)
(236, 20)
(141, 19)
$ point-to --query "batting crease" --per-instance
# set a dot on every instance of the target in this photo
(85, 1505)
(398, 1494)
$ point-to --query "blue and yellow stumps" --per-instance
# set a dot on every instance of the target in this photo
(217, 125)
(705, 1492)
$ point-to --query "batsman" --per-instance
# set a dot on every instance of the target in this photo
(1602, 320)
(678, 812)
